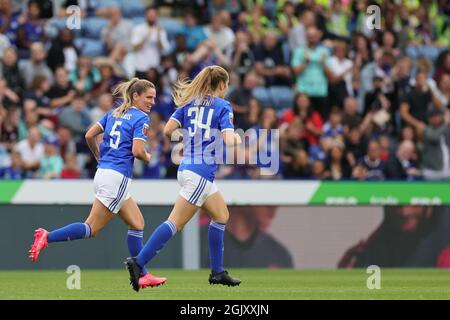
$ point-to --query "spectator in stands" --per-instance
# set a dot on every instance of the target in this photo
(9, 21)
(36, 65)
(9, 129)
(361, 53)
(242, 57)
(109, 78)
(240, 98)
(7, 96)
(415, 103)
(442, 65)
(117, 34)
(31, 28)
(65, 142)
(63, 51)
(309, 66)
(286, 19)
(311, 119)
(370, 167)
(14, 171)
(297, 35)
(441, 92)
(192, 31)
(222, 35)
(51, 163)
(270, 62)
(337, 164)
(298, 167)
(71, 170)
(85, 76)
(207, 54)
(149, 43)
(404, 166)
(436, 144)
(341, 70)
(76, 118)
(104, 104)
(31, 151)
(9, 70)
(350, 116)
(39, 88)
(62, 92)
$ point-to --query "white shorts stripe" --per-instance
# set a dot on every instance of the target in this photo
(194, 188)
(111, 188)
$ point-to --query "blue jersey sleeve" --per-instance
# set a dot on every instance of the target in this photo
(140, 129)
(178, 116)
(226, 118)
(102, 121)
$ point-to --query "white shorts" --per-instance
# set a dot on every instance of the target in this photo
(194, 188)
(111, 188)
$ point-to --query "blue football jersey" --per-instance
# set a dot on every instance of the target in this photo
(119, 133)
(204, 123)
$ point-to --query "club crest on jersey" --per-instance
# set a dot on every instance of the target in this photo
(145, 129)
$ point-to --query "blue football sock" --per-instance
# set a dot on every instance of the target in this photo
(70, 232)
(215, 240)
(134, 241)
(157, 240)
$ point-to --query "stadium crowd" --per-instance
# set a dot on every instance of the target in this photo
(350, 101)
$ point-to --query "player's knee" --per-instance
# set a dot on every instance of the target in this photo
(137, 224)
(222, 217)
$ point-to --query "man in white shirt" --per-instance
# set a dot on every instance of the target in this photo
(149, 42)
(31, 150)
(221, 34)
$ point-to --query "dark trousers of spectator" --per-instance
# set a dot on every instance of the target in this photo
(320, 104)
(336, 94)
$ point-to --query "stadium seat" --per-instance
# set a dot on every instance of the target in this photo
(279, 97)
(132, 8)
(89, 47)
(108, 3)
(172, 26)
(55, 25)
(92, 27)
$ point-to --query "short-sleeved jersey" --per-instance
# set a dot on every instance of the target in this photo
(119, 133)
(204, 123)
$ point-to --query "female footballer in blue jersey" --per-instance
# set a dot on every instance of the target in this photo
(124, 135)
(202, 112)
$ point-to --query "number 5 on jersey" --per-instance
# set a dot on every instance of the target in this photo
(115, 144)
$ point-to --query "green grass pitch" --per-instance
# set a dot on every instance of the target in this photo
(256, 284)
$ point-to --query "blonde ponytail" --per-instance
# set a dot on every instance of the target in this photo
(204, 84)
(125, 90)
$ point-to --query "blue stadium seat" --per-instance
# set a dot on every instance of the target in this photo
(108, 3)
(92, 27)
(133, 8)
(55, 25)
(172, 26)
(279, 97)
(89, 47)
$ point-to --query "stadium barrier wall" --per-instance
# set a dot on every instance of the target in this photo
(300, 224)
